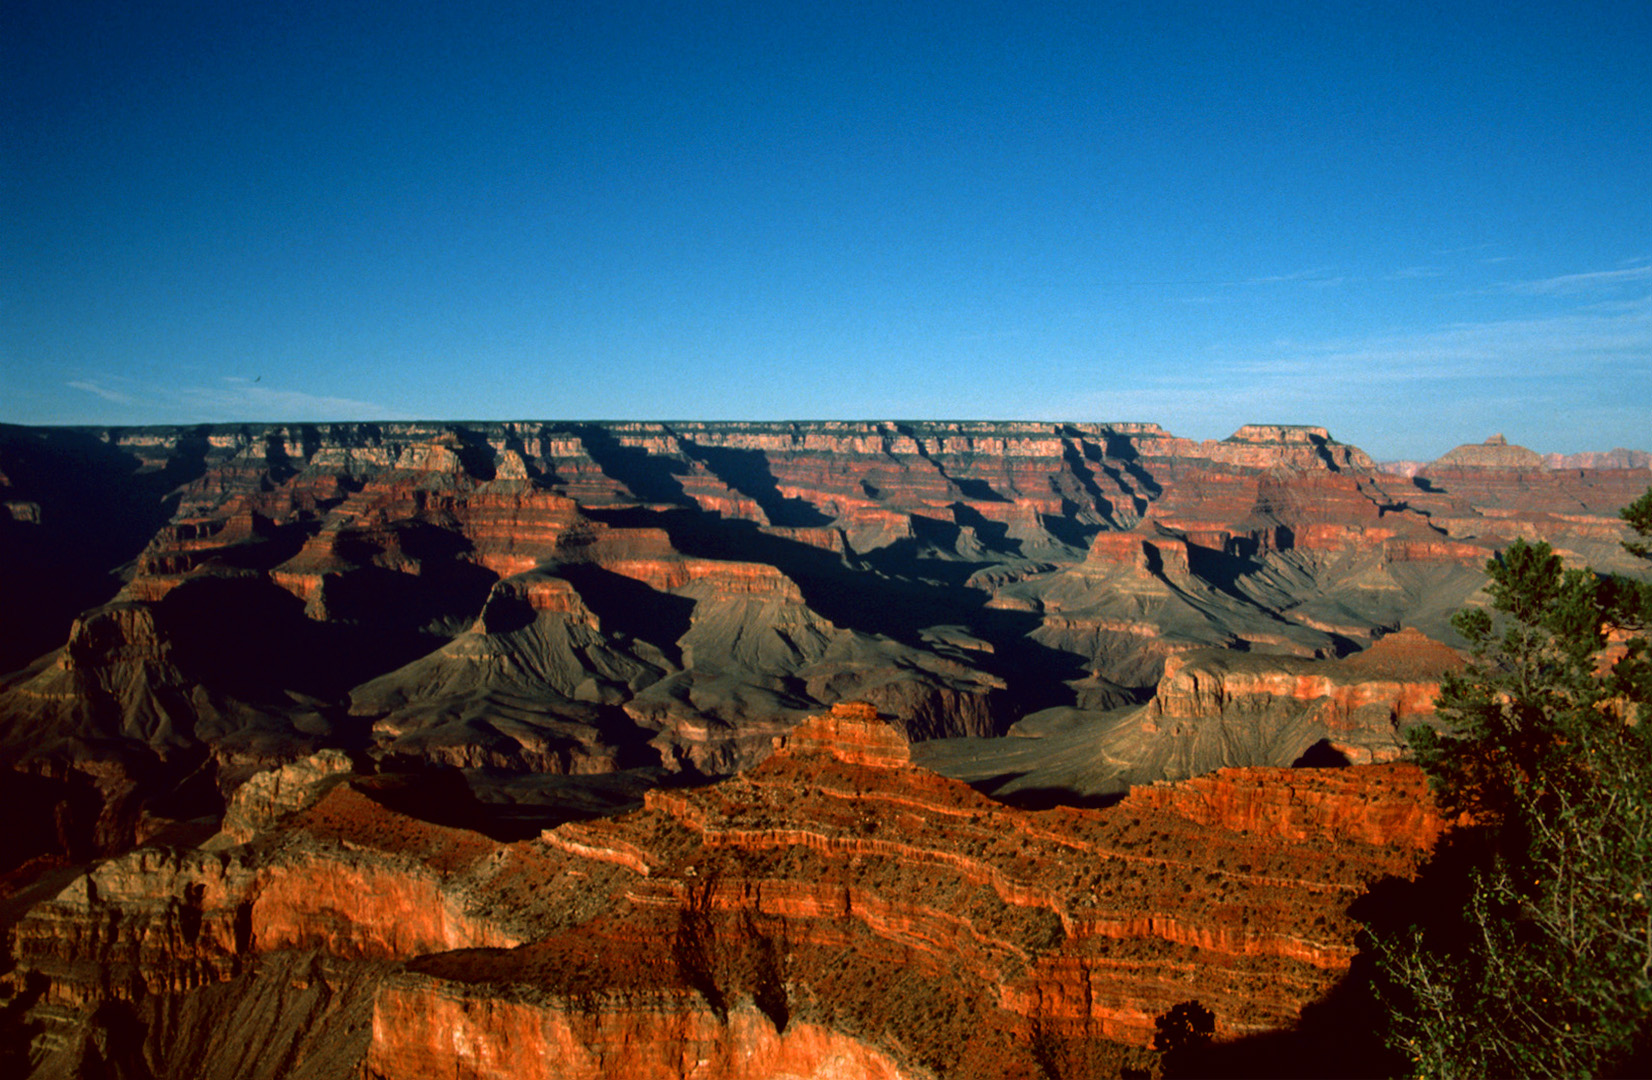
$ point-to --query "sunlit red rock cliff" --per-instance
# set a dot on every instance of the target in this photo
(332, 749)
(834, 911)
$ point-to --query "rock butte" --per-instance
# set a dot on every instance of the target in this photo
(407, 677)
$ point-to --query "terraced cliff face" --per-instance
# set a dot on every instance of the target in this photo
(529, 602)
(834, 911)
(1215, 709)
(1352, 710)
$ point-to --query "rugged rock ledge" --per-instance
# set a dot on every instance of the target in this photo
(836, 908)
(1352, 710)
(315, 629)
(528, 599)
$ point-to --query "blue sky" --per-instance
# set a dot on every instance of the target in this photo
(1414, 224)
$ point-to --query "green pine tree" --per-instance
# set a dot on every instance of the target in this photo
(1544, 965)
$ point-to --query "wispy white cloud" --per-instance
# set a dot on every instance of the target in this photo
(1319, 276)
(230, 399)
(240, 397)
(1468, 249)
(101, 391)
(1575, 378)
(1572, 284)
(1570, 343)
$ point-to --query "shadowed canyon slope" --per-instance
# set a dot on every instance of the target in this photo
(416, 721)
(186, 607)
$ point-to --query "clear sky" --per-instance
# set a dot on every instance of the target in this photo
(1416, 224)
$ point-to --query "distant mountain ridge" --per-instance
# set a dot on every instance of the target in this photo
(1496, 452)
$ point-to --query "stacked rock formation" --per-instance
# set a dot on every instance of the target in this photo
(526, 600)
(834, 908)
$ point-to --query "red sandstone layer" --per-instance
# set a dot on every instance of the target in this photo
(836, 908)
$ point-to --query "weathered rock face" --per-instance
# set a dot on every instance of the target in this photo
(1356, 708)
(835, 911)
(1618, 459)
(269, 797)
(430, 1027)
(1379, 804)
(1494, 491)
(854, 733)
(519, 600)
(1494, 453)
(1215, 709)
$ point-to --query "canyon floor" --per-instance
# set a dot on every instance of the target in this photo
(831, 749)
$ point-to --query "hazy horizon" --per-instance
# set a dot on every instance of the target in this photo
(734, 421)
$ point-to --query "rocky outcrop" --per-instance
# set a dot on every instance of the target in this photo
(269, 797)
(1620, 458)
(1494, 453)
(1217, 709)
(854, 733)
(1494, 492)
(1401, 673)
(528, 599)
(1354, 709)
(833, 910)
(431, 1027)
(1381, 804)
(1266, 446)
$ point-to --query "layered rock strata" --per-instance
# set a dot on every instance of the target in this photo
(1215, 709)
(527, 599)
(1354, 709)
(834, 911)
